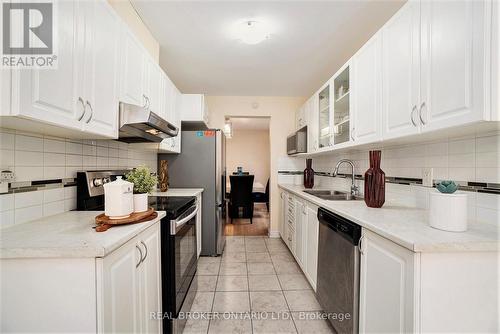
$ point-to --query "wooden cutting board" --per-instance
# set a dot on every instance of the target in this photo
(104, 222)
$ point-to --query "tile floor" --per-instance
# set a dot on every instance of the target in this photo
(258, 277)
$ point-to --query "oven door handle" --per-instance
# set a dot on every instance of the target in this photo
(177, 224)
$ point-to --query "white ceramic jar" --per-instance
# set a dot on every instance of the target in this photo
(448, 212)
(118, 198)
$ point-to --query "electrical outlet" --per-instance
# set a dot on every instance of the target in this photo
(6, 176)
(427, 177)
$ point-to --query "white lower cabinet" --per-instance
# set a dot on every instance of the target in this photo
(300, 232)
(113, 294)
(131, 285)
(411, 292)
(311, 244)
(281, 222)
(387, 293)
(299, 228)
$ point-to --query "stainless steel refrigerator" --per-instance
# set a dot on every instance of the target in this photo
(202, 164)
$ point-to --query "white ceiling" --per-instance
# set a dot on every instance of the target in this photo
(311, 40)
(250, 123)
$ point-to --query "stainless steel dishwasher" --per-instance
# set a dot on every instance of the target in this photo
(338, 270)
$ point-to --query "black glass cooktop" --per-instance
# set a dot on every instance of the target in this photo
(173, 206)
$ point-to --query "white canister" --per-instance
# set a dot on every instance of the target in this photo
(140, 202)
(118, 198)
(448, 212)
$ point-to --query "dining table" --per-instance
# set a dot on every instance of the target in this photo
(257, 187)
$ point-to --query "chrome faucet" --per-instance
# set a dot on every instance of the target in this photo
(354, 188)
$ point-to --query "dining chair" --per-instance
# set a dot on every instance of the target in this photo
(240, 199)
(262, 197)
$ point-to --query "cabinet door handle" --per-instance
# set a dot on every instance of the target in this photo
(91, 112)
(140, 253)
(84, 108)
(420, 113)
(352, 134)
(146, 105)
(411, 115)
(360, 246)
(146, 249)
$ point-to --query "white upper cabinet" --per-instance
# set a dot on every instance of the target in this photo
(152, 89)
(81, 93)
(366, 92)
(5, 77)
(454, 41)
(103, 29)
(194, 108)
(301, 117)
(312, 125)
(133, 70)
(173, 144)
(400, 72)
(56, 96)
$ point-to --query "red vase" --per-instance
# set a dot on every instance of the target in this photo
(308, 174)
(375, 182)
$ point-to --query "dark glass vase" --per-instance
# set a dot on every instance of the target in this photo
(375, 182)
(308, 174)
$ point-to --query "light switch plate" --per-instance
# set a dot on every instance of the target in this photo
(427, 177)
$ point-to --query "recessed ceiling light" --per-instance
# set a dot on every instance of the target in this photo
(251, 31)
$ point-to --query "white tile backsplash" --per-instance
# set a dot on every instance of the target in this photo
(33, 157)
(474, 158)
(459, 159)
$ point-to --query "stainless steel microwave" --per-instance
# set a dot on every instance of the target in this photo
(297, 142)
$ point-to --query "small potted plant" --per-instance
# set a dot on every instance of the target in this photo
(144, 183)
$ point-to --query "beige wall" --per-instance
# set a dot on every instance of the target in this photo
(281, 110)
(250, 150)
(128, 14)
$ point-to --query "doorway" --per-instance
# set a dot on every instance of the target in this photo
(248, 157)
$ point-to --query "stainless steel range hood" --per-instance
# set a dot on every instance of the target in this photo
(141, 125)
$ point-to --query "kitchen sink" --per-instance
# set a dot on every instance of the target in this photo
(333, 195)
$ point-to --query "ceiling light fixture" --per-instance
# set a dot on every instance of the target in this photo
(228, 129)
(251, 31)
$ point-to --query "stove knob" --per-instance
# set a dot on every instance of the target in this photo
(98, 182)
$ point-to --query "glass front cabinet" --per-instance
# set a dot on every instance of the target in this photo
(324, 117)
(334, 112)
(341, 128)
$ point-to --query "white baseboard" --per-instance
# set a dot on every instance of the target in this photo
(274, 234)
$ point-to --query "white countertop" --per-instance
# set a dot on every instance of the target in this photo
(176, 192)
(68, 234)
(408, 226)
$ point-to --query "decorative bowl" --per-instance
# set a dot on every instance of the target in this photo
(447, 187)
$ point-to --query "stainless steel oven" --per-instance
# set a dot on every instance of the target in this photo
(178, 258)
